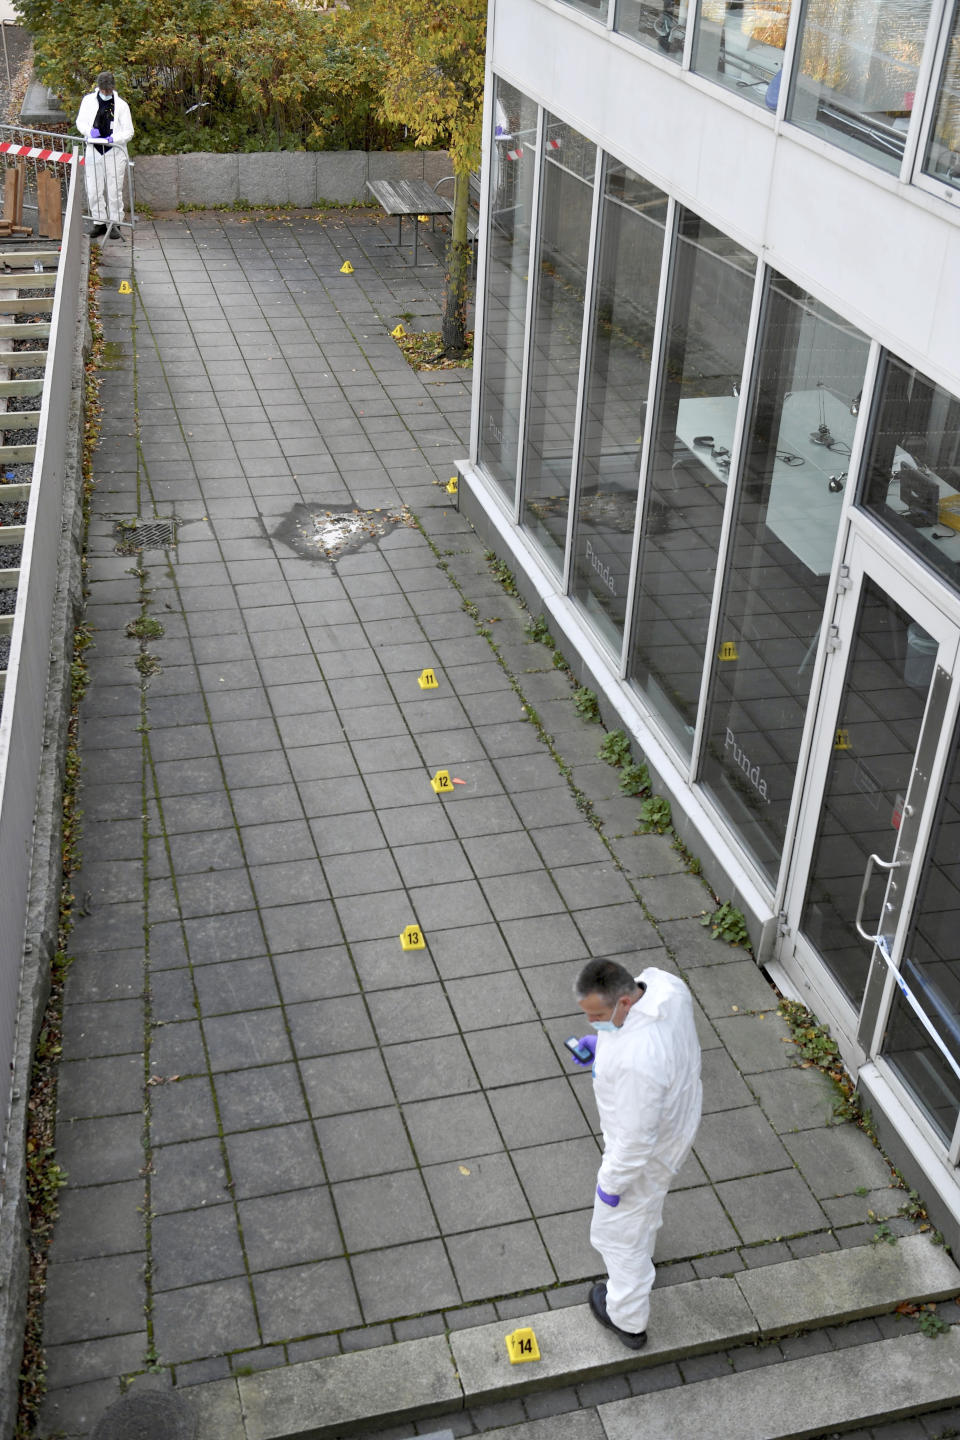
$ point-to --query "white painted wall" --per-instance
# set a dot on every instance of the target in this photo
(885, 255)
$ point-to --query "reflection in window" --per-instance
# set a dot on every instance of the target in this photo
(660, 24)
(705, 337)
(931, 968)
(912, 473)
(799, 435)
(626, 310)
(878, 727)
(857, 74)
(564, 242)
(739, 43)
(595, 8)
(943, 149)
(514, 166)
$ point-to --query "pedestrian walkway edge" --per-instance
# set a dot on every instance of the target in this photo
(322, 1399)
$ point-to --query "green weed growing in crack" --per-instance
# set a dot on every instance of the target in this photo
(635, 779)
(883, 1235)
(538, 630)
(816, 1046)
(930, 1323)
(729, 924)
(655, 816)
(586, 704)
(145, 627)
(615, 748)
(501, 572)
(691, 862)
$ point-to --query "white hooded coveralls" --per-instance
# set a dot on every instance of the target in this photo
(105, 173)
(648, 1092)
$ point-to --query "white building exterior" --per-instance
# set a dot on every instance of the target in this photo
(717, 435)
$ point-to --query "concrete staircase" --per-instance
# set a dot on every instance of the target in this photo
(841, 1389)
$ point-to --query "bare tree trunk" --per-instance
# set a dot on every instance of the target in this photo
(454, 325)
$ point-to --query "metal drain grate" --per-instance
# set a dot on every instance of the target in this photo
(153, 535)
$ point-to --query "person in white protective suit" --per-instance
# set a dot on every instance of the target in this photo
(105, 123)
(646, 1077)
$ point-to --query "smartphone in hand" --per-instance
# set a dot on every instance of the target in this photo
(580, 1051)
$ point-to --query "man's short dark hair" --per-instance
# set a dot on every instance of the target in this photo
(105, 80)
(606, 978)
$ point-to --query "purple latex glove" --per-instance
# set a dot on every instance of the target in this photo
(589, 1042)
(612, 1200)
(94, 133)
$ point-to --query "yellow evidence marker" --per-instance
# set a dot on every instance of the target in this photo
(452, 486)
(728, 651)
(423, 219)
(841, 741)
(346, 268)
(427, 680)
(442, 783)
(125, 288)
(398, 332)
(412, 938)
(522, 1346)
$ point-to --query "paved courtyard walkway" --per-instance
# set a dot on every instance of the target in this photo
(285, 1135)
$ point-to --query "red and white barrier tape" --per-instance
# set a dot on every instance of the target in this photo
(33, 152)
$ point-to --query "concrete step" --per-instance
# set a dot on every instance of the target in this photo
(434, 1376)
(863, 1385)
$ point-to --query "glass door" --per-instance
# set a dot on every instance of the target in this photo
(852, 908)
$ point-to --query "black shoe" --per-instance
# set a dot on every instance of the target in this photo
(97, 231)
(113, 231)
(634, 1340)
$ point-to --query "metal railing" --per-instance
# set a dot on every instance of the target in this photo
(50, 153)
(24, 700)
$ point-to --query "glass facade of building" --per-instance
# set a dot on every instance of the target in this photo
(696, 445)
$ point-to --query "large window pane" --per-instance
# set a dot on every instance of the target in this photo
(706, 331)
(628, 280)
(857, 74)
(878, 727)
(564, 243)
(799, 436)
(912, 474)
(943, 150)
(739, 43)
(931, 968)
(514, 167)
(660, 24)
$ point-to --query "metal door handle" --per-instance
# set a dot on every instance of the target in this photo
(867, 877)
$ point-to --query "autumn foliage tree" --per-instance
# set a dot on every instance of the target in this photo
(219, 74)
(433, 84)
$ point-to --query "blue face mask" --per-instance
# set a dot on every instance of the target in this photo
(603, 1025)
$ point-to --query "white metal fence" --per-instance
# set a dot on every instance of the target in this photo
(25, 695)
(45, 160)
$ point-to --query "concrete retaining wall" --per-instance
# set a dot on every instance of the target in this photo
(283, 177)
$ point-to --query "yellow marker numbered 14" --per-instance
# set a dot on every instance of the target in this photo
(522, 1346)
